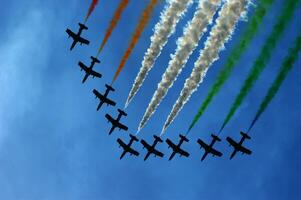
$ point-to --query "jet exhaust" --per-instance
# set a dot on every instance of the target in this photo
(234, 57)
(185, 46)
(264, 57)
(228, 17)
(113, 23)
(163, 30)
(287, 65)
(144, 19)
(91, 9)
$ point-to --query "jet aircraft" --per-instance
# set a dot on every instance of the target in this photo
(177, 148)
(152, 148)
(89, 70)
(103, 98)
(209, 148)
(77, 36)
(238, 146)
(127, 147)
(115, 122)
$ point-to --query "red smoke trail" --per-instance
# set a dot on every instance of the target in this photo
(137, 34)
(113, 23)
(91, 8)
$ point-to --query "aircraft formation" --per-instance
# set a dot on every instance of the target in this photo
(223, 31)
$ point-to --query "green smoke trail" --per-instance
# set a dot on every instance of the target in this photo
(265, 54)
(235, 55)
(286, 67)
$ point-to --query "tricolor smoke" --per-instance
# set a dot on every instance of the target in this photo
(286, 67)
(235, 55)
(185, 46)
(264, 56)
(122, 5)
(91, 8)
(136, 36)
(221, 33)
(163, 30)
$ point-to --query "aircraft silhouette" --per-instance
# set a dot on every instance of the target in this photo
(238, 146)
(115, 122)
(89, 70)
(209, 148)
(177, 148)
(103, 98)
(77, 36)
(151, 148)
(127, 147)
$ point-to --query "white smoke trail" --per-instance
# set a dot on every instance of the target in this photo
(185, 46)
(229, 15)
(163, 30)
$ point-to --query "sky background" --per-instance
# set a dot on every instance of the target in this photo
(55, 146)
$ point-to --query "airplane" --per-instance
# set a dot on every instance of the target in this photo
(76, 36)
(127, 147)
(177, 148)
(151, 148)
(238, 146)
(103, 98)
(115, 122)
(209, 148)
(89, 70)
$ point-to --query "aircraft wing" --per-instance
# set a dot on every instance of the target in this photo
(183, 153)
(121, 126)
(145, 145)
(158, 153)
(132, 151)
(82, 66)
(109, 118)
(245, 150)
(171, 144)
(216, 153)
(71, 34)
(96, 74)
(97, 94)
(110, 102)
(121, 143)
(231, 142)
(83, 41)
(203, 144)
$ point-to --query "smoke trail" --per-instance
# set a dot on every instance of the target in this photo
(235, 55)
(263, 58)
(163, 30)
(286, 67)
(137, 34)
(186, 44)
(221, 33)
(122, 5)
(91, 8)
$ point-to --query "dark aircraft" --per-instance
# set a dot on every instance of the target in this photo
(76, 37)
(89, 70)
(177, 148)
(238, 146)
(104, 98)
(209, 148)
(127, 147)
(115, 122)
(152, 149)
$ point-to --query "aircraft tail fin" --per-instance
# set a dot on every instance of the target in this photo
(134, 138)
(184, 138)
(95, 60)
(215, 137)
(83, 26)
(110, 87)
(158, 138)
(245, 135)
(122, 112)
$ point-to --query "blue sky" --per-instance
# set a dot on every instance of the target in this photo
(54, 145)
